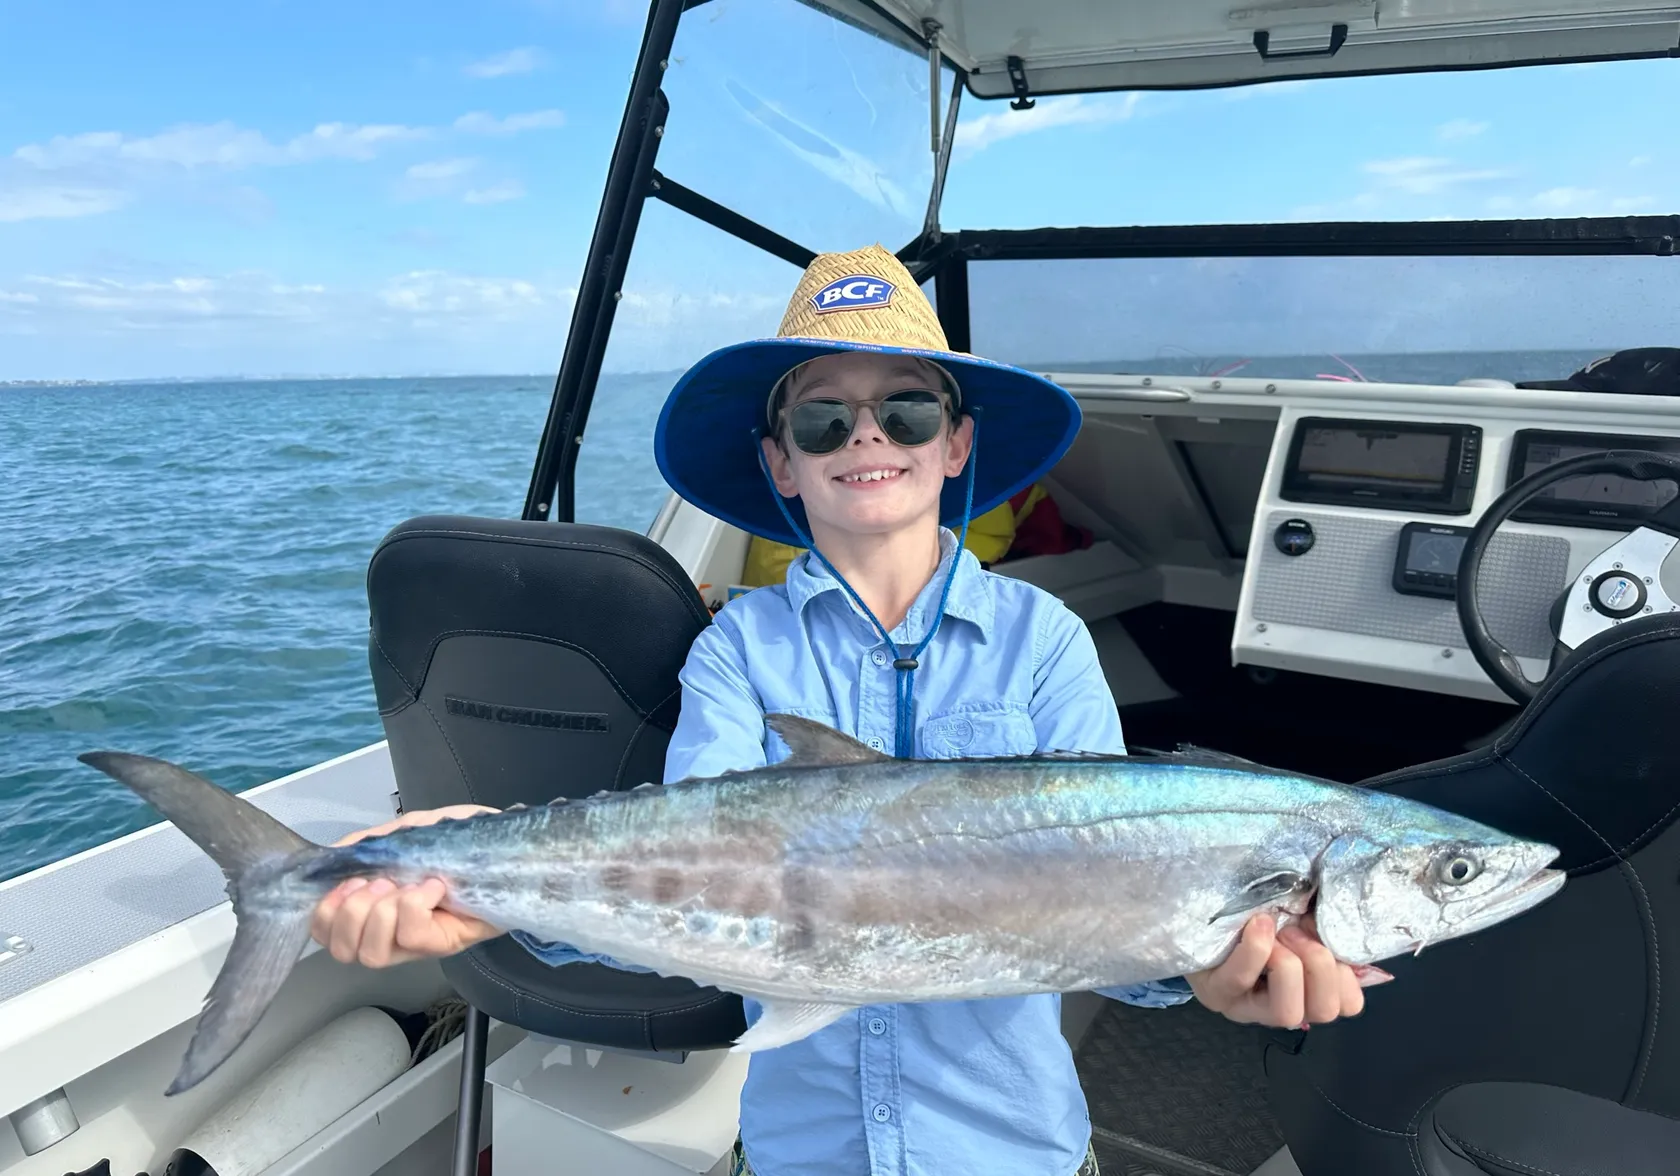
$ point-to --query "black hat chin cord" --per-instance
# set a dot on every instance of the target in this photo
(905, 663)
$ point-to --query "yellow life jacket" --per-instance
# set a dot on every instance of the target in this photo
(989, 537)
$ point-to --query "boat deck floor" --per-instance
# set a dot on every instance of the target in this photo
(1175, 1092)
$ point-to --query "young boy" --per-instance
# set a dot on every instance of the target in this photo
(857, 433)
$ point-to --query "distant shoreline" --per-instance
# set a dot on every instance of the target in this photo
(150, 381)
(1152, 365)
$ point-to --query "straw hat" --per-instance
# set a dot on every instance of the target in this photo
(706, 442)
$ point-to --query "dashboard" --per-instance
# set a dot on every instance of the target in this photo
(1353, 567)
(1356, 505)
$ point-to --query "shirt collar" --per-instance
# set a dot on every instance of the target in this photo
(970, 599)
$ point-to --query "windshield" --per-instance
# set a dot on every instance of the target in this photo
(1404, 319)
(1544, 141)
(800, 122)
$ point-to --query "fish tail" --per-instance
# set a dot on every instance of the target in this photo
(258, 854)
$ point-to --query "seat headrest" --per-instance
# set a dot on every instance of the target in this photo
(614, 593)
(1592, 764)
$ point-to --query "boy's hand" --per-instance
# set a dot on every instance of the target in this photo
(379, 923)
(1286, 979)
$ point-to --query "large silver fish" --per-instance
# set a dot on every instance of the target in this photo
(842, 877)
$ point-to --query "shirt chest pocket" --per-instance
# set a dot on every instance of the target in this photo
(974, 732)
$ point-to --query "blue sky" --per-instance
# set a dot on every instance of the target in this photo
(386, 188)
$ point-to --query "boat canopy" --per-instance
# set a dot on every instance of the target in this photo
(1023, 48)
(895, 152)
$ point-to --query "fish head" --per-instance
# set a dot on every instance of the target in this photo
(1436, 878)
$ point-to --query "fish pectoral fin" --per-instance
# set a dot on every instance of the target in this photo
(813, 744)
(782, 1022)
(1263, 890)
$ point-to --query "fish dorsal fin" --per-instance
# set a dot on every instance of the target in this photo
(1189, 753)
(814, 744)
(1077, 756)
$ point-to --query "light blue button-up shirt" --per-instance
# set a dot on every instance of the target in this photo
(984, 1087)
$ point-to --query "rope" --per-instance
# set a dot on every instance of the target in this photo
(446, 1018)
(906, 663)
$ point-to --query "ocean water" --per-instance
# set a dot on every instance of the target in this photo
(184, 563)
(184, 566)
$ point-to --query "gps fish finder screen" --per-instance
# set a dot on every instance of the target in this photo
(1375, 456)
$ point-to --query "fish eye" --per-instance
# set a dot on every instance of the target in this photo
(1458, 870)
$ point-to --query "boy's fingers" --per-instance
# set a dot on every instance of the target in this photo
(346, 939)
(379, 933)
(1283, 1003)
(1320, 976)
(321, 919)
(417, 926)
(1242, 969)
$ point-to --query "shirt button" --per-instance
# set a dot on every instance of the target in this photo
(878, 657)
(877, 1026)
(875, 742)
(882, 1112)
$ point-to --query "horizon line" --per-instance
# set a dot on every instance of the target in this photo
(1064, 365)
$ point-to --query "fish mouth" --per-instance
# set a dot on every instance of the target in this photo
(1541, 886)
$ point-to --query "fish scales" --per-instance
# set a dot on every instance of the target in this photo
(824, 881)
(841, 877)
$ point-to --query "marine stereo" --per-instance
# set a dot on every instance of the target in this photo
(1390, 465)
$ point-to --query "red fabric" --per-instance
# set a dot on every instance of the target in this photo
(1044, 531)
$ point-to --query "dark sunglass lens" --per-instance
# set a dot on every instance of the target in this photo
(911, 417)
(820, 426)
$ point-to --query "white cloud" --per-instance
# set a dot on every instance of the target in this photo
(481, 123)
(439, 292)
(346, 141)
(104, 303)
(979, 133)
(221, 144)
(1639, 161)
(100, 171)
(1570, 201)
(440, 169)
(1563, 199)
(514, 61)
(192, 322)
(1460, 128)
(21, 202)
(1426, 176)
(1267, 89)
(496, 193)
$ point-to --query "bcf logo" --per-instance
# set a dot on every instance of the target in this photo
(854, 292)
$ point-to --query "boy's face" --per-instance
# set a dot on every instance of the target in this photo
(904, 482)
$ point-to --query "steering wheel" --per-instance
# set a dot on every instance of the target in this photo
(1620, 582)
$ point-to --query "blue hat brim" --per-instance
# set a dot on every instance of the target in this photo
(706, 441)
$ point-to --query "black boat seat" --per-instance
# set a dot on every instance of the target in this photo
(1549, 1044)
(1497, 1129)
(517, 662)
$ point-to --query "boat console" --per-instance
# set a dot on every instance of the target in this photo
(1336, 514)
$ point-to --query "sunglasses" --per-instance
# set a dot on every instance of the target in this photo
(909, 417)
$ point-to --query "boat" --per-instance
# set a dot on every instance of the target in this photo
(1409, 583)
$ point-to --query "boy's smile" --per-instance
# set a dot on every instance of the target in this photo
(868, 476)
